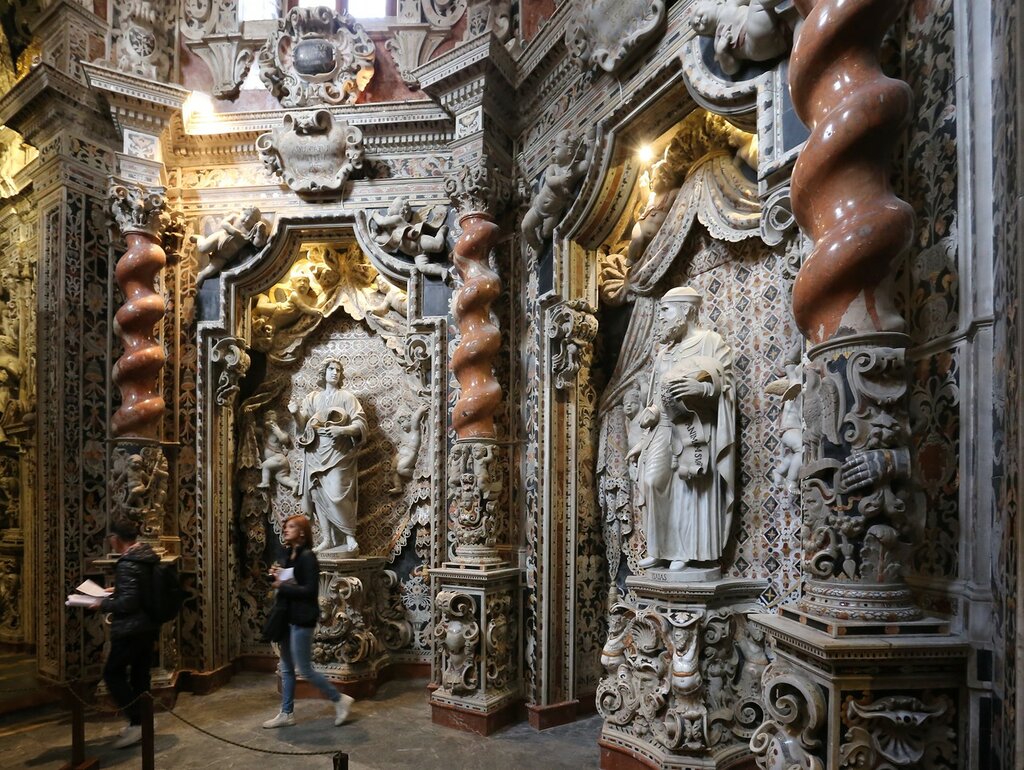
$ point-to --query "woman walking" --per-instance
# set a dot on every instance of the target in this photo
(299, 593)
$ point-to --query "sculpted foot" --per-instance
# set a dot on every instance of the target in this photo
(649, 562)
(677, 565)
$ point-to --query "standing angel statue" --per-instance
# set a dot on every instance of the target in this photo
(333, 426)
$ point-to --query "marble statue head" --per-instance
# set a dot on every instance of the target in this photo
(327, 364)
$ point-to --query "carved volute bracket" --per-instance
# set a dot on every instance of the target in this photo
(458, 633)
(791, 735)
(232, 361)
(140, 215)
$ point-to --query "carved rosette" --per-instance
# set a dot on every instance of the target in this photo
(474, 488)
(572, 328)
(141, 216)
(458, 634)
(317, 56)
(855, 486)
(791, 738)
(680, 683)
(232, 362)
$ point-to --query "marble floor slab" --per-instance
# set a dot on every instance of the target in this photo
(391, 730)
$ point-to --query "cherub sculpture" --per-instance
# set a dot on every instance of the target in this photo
(408, 449)
(275, 455)
(744, 30)
(284, 307)
(237, 232)
(568, 164)
(392, 298)
(415, 235)
(787, 471)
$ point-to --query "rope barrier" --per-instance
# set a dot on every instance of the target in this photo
(111, 711)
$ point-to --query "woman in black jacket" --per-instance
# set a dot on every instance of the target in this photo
(300, 594)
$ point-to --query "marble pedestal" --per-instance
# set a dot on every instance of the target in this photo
(476, 650)
(683, 669)
(860, 701)
(362, 622)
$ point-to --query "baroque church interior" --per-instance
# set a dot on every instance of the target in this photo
(652, 359)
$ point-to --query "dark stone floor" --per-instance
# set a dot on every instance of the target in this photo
(391, 730)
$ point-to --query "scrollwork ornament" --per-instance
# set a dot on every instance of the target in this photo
(899, 731)
(233, 360)
(312, 152)
(572, 328)
(790, 738)
(458, 631)
(609, 33)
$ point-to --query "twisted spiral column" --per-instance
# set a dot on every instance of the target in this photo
(480, 340)
(841, 193)
(141, 216)
(856, 525)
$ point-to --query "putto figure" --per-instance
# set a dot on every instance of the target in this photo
(686, 462)
(415, 235)
(275, 455)
(568, 165)
(241, 230)
(333, 426)
(744, 30)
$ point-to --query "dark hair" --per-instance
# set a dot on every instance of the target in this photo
(126, 529)
(304, 526)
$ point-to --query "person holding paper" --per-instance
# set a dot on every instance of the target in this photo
(297, 581)
(132, 632)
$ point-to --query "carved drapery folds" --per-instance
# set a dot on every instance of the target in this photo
(317, 57)
(856, 523)
(458, 633)
(791, 736)
(572, 328)
(140, 215)
(312, 153)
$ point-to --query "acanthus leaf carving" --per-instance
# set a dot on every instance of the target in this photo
(233, 360)
(572, 328)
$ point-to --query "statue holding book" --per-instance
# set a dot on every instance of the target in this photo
(686, 460)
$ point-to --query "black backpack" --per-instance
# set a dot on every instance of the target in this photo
(166, 594)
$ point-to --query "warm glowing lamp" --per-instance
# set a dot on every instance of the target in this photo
(646, 154)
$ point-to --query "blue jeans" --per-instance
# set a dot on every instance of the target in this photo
(296, 652)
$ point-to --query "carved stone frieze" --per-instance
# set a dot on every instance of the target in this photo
(312, 152)
(792, 736)
(317, 57)
(458, 631)
(572, 328)
(609, 33)
(10, 595)
(233, 362)
(475, 488)
(138, 488)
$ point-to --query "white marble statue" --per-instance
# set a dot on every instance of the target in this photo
(744, 30)
(333, 426)
(408, 449)
(665, 184)
(686, 463)
(275, 455)
(568, 165)
(787, 471)
(236, 232)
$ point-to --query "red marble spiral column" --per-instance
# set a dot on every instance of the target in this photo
(140, 214)
(855, 492)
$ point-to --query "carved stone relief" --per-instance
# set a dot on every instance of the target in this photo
(233, 361)
(237, 233)
(569, 162)
(317, 57)
(742, 31)
(792, 735)
(141, 37)
(417, 234)
(312, 153)
(609, 33)
(899, 731)
(211, 30)
(138, 488)
(458, 631)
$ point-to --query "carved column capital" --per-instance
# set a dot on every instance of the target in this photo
(478, 189)
(138, 209)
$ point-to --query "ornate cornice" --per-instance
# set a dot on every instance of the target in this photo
(26, 107)
(464, 62)
(136, 102)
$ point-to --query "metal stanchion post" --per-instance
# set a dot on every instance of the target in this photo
(78, 760)
(146, 706)
(341, 761)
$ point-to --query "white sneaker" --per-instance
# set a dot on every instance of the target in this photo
(281, 720)
(341, 708)
(129, 737)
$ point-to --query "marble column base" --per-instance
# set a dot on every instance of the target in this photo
(476, 647)
(682, 679)
(860, 701)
